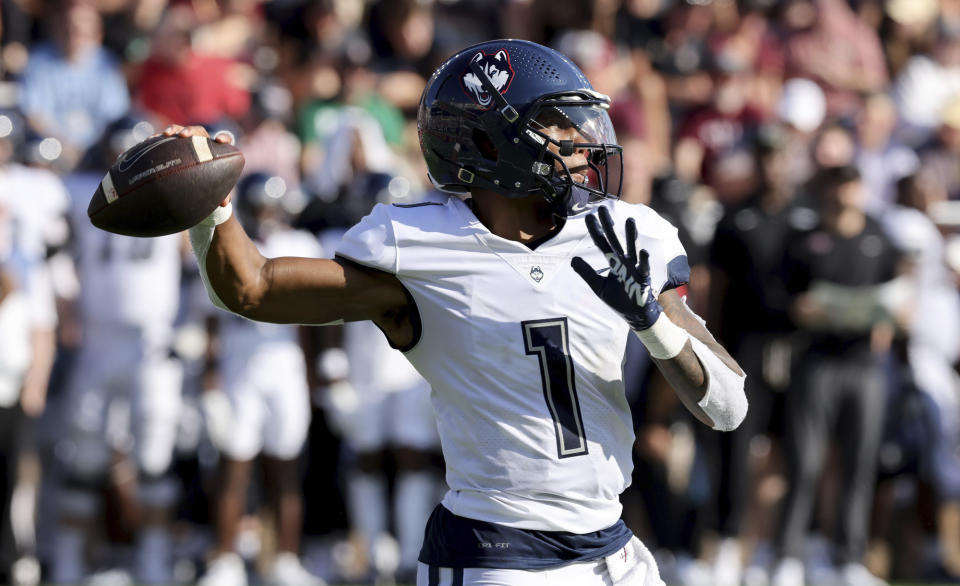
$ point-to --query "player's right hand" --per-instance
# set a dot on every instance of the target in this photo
(188, 131)
(626, 288)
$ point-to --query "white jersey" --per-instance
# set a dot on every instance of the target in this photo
(524, 360)
(936, 320)
(376, 367)
(124, 281)
(240, 338)
(38, 202)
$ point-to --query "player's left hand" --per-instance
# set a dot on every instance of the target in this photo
(626, 288)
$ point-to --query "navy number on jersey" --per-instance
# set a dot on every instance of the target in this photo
(548, 339)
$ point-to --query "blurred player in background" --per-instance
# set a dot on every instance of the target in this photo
(933, 347)
(123, 398)
(264, 377)
(377, 401)
(391, 418)
(33, 204)
(27, 321)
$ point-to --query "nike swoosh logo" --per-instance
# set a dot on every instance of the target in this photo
(578, 207)
(126, 161)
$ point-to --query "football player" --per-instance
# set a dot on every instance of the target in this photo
(515, 304)
(126, 307)
(265, 380)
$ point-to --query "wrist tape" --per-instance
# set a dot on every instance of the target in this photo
(201, 236)
(664, 339)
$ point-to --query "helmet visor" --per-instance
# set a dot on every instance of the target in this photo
(583, 144)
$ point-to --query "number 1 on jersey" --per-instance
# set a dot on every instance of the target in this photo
(548, 339)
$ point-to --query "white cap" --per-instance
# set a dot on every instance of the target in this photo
(909, 12)
(802, 104)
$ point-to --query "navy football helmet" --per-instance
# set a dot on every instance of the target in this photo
(259, 204)
(482, 119)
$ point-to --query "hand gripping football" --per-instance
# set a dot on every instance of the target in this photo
(164, 185)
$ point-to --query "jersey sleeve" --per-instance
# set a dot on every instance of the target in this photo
(372, 242)
(670, 268)
(678, 267)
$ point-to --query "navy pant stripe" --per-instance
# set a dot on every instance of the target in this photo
(457, 577)
(434, 576)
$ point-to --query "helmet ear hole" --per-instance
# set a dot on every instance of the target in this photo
(484, 145)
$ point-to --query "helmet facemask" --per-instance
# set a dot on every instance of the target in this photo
(579, 159)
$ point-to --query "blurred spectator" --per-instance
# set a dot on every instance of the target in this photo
(926, 85)
(833, 273)
(264, 393)
(350, 98)
(639, 24)
(406, 48)
(403, 36)
(752, 39)
(598, 58)
(834, 146)
(355, 150)
(681, 54)
(640, 114)
(748, 312)
(940, 159)
(713, 145)
(72, 88)
(802, 108)
(268, 145)
(542, 20)
(16, 28)
(827, 43)
(907, 29)
(881, 159)
(232, 29)
(178, 84)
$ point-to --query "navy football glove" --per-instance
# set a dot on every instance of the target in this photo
(626, 288)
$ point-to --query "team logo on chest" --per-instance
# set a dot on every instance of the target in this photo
(536, 274)
(496, 67)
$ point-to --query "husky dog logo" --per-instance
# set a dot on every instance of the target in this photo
(536, 274)
(496, 67)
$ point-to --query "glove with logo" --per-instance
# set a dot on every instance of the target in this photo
(627, 288)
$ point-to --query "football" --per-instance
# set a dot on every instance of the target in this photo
(164, 185)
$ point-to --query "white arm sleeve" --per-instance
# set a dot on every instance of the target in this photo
(201, 236)
(725, 401)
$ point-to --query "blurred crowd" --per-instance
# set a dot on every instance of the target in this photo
(808, 151)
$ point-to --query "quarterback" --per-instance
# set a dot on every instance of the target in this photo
(515, 302)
